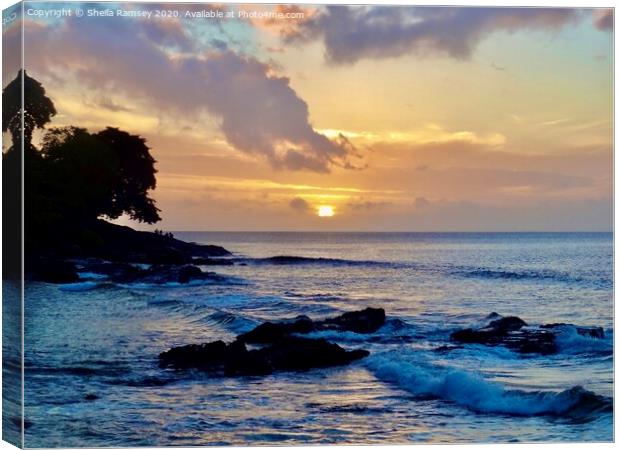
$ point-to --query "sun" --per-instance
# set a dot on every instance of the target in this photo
(325, 211)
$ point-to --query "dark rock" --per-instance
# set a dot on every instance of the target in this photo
(368, 320)
(297, 353)
(117, 272)
(212, 262)
(162, 274)
(593, 332)
(200, 356)
(120, 272)
(52, 270)
(289, 354)
(188, 273)
(493, 333)
(271, 332)
(514, 333)
(506, 324)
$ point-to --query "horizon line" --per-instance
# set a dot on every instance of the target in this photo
(393, 232)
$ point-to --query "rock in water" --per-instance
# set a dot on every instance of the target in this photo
(289, 354)
(593, 332)
(272, 332)
(493, 333)
(366, 321)
(51, 270)
(515, 334)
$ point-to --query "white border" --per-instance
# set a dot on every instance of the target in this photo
(551, 3)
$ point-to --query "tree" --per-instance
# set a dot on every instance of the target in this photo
(78, 175)
(136, 176)
(37, 109)
(104, 174)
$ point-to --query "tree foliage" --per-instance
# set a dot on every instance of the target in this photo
(76, 176)
(104, 174)
(37, 108)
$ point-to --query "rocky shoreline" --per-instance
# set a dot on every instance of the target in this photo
(279, 347)
(120, 253)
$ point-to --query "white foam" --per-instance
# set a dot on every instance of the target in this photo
(569, 341)
(467, 389)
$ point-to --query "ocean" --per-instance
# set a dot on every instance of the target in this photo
(91, 361)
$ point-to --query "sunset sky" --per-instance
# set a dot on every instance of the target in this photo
(398, 118)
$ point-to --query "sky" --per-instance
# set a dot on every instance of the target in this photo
(378, 118)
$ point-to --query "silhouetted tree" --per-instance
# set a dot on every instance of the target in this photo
(136, 176)
(104, 174)
(75, 178)
(80, 173)
(37, 108)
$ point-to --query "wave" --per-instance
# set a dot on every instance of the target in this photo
(394, 331)
(230, 321)
(287, 260)
(475, 393)
(517, 275)
(82, 286)
(569, 341)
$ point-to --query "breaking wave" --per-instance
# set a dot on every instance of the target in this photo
(473, 392)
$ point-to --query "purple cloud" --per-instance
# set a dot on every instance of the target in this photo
(354, 33)
(260, 113)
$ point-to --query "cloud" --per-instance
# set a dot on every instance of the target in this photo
(604, 19)
(260, 113)
(299, 204)
(354, 33)
(109, 104)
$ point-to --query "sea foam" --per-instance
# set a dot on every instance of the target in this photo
(472, 391)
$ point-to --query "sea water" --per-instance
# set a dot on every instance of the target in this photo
(91, 360)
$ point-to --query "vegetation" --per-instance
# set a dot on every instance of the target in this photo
(75, 177)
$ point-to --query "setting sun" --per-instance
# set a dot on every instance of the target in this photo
(326, 211)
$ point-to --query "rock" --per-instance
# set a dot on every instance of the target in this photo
(271, 332)
(188, 273)
(202, 356)
(117, 272)
(52, 271)
(506, 324)
(514, 333)
(493, 333)
(593, 332)
(175, 274)
(297, 353)
(288, 354)
(368, 320)
(212, 262)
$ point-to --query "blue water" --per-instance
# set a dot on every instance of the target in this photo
(102, 340)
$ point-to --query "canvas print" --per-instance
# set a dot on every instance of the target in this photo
(254, 224)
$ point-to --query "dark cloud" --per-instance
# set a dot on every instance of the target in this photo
(299, 204)
(604, 19)
(354, 33)
(260, 113)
